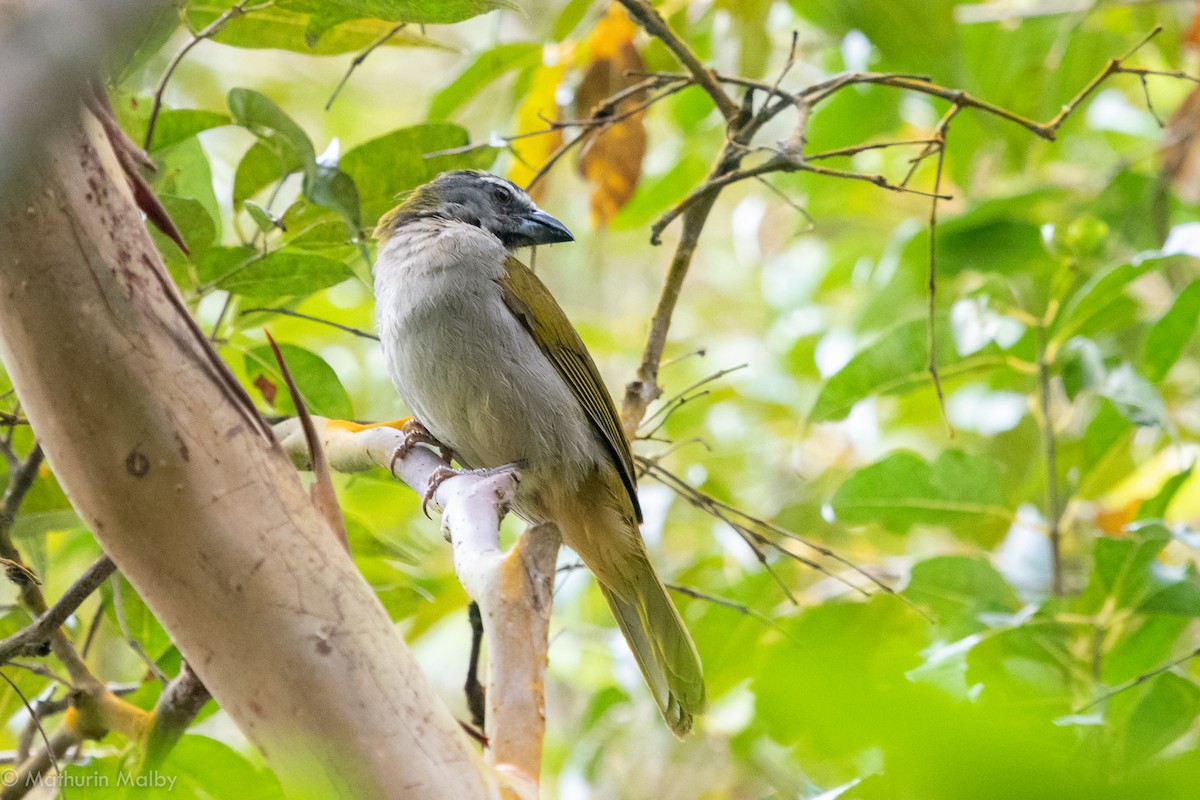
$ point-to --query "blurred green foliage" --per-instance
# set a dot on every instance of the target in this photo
(1063, 336)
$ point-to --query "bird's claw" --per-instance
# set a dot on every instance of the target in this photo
(414, 434)
(436, 479)
(444, 473)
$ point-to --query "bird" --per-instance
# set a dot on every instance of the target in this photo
(490, 366)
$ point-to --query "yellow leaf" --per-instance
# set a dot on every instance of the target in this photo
(532, 152)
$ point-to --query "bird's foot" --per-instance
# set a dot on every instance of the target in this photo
(443, 474)
(414, 434)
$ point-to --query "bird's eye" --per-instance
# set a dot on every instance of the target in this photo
(502, 195)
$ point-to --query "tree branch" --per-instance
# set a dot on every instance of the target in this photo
(32, 640)
(514, 589)
(652, 22)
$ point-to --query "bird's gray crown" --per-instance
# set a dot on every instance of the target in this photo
(482, 199)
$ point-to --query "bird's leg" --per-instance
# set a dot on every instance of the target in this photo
(443, 474)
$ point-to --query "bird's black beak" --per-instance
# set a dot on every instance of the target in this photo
(538, 227)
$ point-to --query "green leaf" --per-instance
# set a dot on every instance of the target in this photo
(895, 363)
(279, 28)
(1156, 507)
(315, 227)
(1121, 567)
(319, 385)
(958, 589)
(262, 218)
(1095, 297)
(261, 166)
(1134, 397)
(1170, 334)
(395, 162)
(184, 171)
(139, 622)
(911, 35)
(284, 273)
(221, 261)
(325, 14)
(1023, 665)
(487, 68)
(996, 236)
(1082, 366)
(1166, 712)
(261, 116)
(198, 229)
(1177, 599)
(958, 490)
(176, 125)
(333, 188)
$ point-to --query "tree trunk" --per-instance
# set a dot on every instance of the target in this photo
(164, 457)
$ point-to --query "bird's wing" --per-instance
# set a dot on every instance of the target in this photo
(556, 337)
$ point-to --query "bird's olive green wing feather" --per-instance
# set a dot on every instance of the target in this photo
(556, 337)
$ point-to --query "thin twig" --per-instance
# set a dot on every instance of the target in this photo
(134, 644)
(289, 313)
(778, 163)
(209, 31)
(33, 715)
(32, 639)
(931, 328)
(1050, 453)
(653, 23)
(1140, 679)
(360, 58)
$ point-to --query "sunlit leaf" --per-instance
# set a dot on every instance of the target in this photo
(538, 106)
(319, 385)
(958, 589)
(280, 28)
(284, 273)
(490, 65)
(396, 162)
(958, 490)
(1171, 333)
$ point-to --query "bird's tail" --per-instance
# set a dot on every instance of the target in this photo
(661, 645)
(610, 544)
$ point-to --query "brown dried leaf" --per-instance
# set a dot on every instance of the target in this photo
(1181, 149)
(266, 388)
(612, 158)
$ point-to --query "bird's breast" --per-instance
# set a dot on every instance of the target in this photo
(474, 376)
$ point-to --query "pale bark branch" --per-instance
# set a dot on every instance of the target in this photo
(514, 589)
(167, 462)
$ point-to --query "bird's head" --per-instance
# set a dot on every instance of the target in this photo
(482, 199)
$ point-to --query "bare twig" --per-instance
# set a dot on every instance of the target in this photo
(134, 644)
(32, 639)
(209, 31)
(50, 754)
(931, 327)
(286, 312)
(1050, 453)
(360, 58)
(778, 163)
(744, 610)
(1139, 680)
(653, 23)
